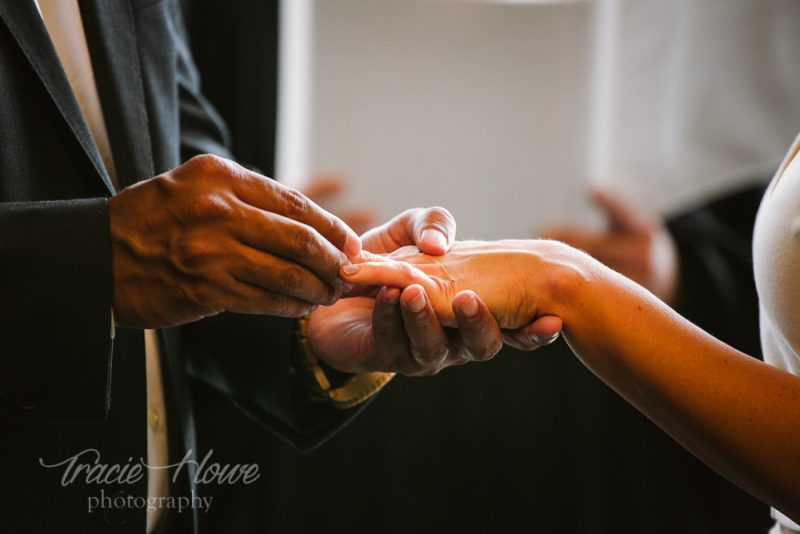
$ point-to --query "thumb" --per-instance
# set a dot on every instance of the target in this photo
(621, 216)
(434, 230)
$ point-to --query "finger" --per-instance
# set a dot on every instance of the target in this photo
(434, 230)
(292, 240)
(367, 256)
(282, 277)
(540, 332)
(385, 273)
(323, 187)
(480, 333)
(621, 216)
(269, 195)
(388, 332)
(426, 338)
(250, 299)
(365, 290)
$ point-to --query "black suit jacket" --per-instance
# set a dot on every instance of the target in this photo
(64, 386)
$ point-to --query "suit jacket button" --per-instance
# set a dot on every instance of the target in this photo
(118, 513)
(28, 398)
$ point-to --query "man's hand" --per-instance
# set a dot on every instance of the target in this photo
(633, 244)
(398, 330)
(211, 236)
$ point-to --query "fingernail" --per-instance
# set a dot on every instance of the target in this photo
(434, 237)
(470, 306)
(350, 270)
(352, 246)
(417, 303)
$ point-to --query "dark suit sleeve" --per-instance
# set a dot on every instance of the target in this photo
(717, 290)
(55, 285)
(247, 358)
(203, 131)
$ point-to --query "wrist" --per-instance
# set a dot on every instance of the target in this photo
(560, 277)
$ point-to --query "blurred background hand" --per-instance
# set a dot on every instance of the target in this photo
(327, 190)
(633, 243)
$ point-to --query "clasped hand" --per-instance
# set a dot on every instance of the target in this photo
(479, 292)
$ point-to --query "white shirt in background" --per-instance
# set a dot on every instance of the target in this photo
(692, 98)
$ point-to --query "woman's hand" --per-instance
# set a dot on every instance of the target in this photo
(394, 330)
(517, 280)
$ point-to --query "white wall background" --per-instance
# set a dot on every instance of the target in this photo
(504, 111)
(481, 108)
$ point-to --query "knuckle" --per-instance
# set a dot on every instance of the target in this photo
(406, 270)
(291, 279)
(440, 214)
(296, 205)
(305, 243)
(439, 218)
(332, 226)
(164, 183)
(207, 162)
(412, 214)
